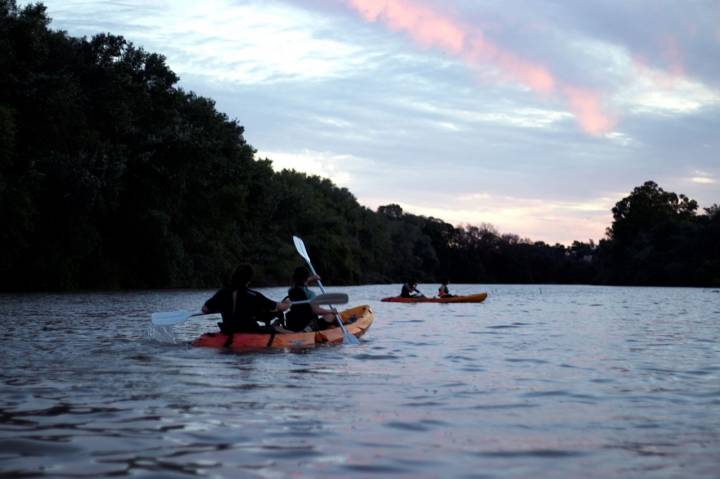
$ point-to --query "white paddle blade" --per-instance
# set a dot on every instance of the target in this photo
(300, 247)
(168, 318)
(331, 298)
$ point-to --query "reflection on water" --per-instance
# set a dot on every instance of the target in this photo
(550, 381)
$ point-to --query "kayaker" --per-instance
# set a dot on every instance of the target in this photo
(242, 307)
(409, 290)
(443, 290)
(306, 317)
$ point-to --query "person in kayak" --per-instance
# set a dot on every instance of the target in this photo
(409, 290)
(306, 317)
(443, 290)
(241, 307)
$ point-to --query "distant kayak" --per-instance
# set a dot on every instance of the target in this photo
(357, 320)
(468, 298)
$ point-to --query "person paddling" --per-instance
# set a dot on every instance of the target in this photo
(306, 317)
(241, 307)
(409, 290)
(443, 290)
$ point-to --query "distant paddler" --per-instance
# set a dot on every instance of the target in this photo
(409, 290)
(443, 290)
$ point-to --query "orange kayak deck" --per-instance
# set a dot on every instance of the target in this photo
(357, 320)
(469, 298)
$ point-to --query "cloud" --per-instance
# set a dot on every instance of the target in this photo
(674, 55)
(464, 119)
(252, 42)
(653, 91)
(702, 178)
(679, 38)
(600, 71)
(339, 168)
(430, 27)
(586, 105)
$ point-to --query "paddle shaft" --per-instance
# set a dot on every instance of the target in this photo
(347, 337)
(346, 334)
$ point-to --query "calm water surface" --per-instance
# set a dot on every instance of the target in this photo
(538, 381)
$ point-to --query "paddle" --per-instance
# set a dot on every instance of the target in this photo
(300, 247)
(170, 318)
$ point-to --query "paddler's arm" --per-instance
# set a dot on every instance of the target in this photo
(282, 306)
(212, 305)
(319, 310)
(209, 309)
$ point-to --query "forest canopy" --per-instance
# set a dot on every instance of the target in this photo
(112, 176)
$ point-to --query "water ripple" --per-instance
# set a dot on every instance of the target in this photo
(538, 453)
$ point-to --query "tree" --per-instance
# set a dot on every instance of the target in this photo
(646, 207)
(656, 239)
(392, 211)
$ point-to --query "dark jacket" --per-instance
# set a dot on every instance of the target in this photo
(241, 311)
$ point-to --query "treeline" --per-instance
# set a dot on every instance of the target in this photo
(657, 238)
(111, 176)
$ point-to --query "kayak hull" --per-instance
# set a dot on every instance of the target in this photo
(357, 320)
(469, 298)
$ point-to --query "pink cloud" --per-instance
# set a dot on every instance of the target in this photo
(430, 28)
(586, 105)
(424, 25)
(673, 55)
(532, 75)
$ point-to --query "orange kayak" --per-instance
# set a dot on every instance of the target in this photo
(469, 298)
(357, 320)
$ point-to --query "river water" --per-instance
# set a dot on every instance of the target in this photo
(538, 381)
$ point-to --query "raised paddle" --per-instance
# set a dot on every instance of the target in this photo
(300, 247)
(170, 318)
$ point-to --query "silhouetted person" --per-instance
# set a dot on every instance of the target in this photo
(242, 307)
(409, 290)
(306, 317)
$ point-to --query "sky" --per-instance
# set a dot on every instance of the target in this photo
(535, 116)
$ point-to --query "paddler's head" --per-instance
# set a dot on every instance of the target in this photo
(300, 275)
(242, 276)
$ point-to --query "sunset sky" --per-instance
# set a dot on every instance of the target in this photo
(533, 115)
